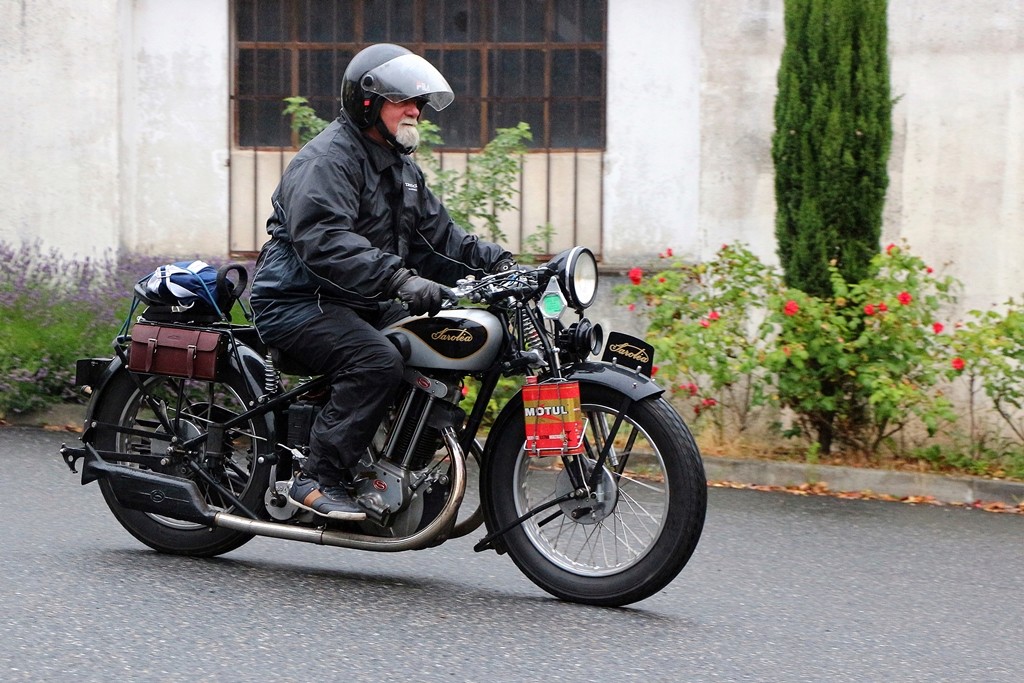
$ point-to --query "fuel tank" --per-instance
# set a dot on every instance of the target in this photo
(466, 340)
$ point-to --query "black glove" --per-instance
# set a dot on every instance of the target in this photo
(503, 265)
(419, 294)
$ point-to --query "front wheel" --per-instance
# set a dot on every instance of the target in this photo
(633, 532)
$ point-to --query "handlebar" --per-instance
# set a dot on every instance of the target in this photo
(491, 289)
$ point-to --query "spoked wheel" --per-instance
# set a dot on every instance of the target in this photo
(169, 410)
(632, 532)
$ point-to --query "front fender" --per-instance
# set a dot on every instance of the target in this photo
(626, 381)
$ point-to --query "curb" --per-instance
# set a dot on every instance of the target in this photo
(947, 489)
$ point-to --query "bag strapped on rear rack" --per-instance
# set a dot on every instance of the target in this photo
(186, 352)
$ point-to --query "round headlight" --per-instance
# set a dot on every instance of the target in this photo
(580, 279)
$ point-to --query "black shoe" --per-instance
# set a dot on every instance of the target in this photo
(328, 501)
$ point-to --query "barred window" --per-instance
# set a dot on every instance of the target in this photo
(538, 61)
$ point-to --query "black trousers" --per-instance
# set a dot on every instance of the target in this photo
(366, 371)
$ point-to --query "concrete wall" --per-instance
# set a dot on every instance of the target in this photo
(653, 156)
(60, 109)
(741, 48)
(115, 119)
(115, 116)
(174, 128)
(956, 190)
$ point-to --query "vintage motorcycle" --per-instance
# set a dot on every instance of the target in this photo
(588, 478)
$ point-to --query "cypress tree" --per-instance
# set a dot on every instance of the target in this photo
(832, 138)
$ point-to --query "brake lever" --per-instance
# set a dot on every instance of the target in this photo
(450, 297)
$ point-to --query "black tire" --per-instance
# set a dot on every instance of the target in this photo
(630, 541)
(241, 472)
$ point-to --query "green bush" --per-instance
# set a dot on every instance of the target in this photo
(856, 367)
(477, 196)
(304, 122)
(707, 319)
(855, 371)
(55, 311)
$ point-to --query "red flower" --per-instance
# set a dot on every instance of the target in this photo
(666, 254)
(704, 323)
(661, 279)
(654, 370)
(709, 402)
(882, 307)
(888, 249)
(791, 307)
(928, 269)
(957, 363)
(631, 307)
(869, 309)
(636, 274)
(713, 315)
(937, 327)
(905, 298)
(691, 388)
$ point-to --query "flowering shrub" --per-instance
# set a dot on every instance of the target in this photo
(853, 370)
(50, 308)
(707, 318)
(856, 367)
(986, 360)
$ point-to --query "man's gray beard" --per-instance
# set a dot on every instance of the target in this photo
(408, 135)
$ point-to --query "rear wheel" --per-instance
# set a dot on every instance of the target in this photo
(634, 531)
(129, 421)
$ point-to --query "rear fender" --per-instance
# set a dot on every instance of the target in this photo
(93, 373)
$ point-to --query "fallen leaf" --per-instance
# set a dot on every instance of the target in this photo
(822, 489)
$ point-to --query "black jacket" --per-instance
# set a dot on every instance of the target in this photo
(348, 214)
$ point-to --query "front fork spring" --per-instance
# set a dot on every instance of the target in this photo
(531, 337)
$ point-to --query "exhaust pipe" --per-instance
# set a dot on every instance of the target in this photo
(176, 498)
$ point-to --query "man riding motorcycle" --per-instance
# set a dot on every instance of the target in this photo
(354, 228)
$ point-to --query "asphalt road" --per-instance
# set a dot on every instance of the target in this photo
(781, 588)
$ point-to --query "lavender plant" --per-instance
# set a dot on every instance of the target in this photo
(56, 310)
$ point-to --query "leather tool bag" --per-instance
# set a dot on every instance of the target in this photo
(175, 351)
